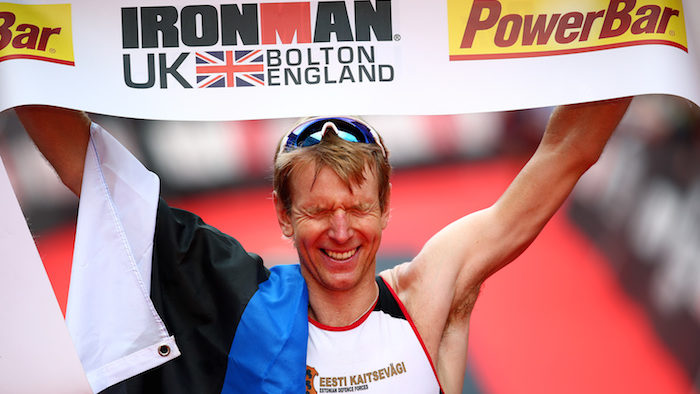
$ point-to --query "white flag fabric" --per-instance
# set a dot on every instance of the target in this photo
(113, 256)
(245, 60)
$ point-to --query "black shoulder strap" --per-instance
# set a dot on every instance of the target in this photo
(386, 302)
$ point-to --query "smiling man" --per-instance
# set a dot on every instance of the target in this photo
(243, 328)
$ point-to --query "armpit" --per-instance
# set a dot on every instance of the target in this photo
(463, 305)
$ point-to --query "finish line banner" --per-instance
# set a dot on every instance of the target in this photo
(266, 59)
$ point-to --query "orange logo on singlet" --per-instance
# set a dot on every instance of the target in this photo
(311, 373)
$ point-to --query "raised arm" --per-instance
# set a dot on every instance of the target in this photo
(474, 247)
(573, 141)
(440, 285)
(62, 136)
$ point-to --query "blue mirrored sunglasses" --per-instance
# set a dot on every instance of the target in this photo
(312, 131)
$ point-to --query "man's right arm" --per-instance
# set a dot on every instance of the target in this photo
(62, 136)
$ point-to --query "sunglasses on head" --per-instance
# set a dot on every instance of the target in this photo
(311, 132)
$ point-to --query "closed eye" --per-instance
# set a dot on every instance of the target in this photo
(316, 212)
(361, 209)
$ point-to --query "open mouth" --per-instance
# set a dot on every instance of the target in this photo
(340, 255)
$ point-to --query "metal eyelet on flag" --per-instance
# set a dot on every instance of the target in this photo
(164, 350)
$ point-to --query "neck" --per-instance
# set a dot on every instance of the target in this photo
(341, 308)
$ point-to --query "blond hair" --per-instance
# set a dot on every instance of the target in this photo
(349, 160)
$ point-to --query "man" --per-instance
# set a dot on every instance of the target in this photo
(242, 328)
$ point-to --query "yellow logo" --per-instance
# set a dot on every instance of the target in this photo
(39, 32)
(493, 29)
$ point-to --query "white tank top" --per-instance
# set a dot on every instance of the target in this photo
(380, 353)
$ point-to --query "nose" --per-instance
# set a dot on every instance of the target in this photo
(340, 229)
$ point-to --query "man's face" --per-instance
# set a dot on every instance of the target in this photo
(336, 229)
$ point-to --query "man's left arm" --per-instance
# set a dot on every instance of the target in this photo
(446, 275)
(573, 141)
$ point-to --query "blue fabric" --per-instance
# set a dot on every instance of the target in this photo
(268, 353)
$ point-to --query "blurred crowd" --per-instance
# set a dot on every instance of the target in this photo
(641, 205)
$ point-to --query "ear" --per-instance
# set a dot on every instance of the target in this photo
(387, 209)
(283, 216)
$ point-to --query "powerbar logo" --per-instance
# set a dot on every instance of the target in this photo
(257, 44)
(492, 29)
(38, 32)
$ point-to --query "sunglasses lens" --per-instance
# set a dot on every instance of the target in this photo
(312, 132)
(312, 139)
(316, 137)
(348, 136)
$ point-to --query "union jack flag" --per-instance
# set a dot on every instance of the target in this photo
(220, 69)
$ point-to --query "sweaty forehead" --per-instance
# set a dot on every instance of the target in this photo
(325, 186)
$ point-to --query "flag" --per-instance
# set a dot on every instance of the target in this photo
(154, 286)
(218, 69)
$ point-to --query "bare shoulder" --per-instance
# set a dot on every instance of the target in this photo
(393, 276)
(389, 276)
(411, 284)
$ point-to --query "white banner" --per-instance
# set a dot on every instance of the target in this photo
(245, 60)
(36, 352)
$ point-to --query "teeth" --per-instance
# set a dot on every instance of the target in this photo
(341, 256)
